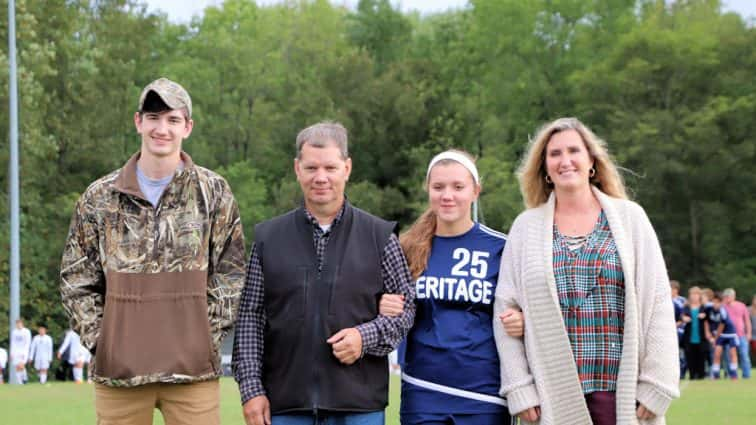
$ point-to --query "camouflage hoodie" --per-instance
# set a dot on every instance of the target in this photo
(153, 290)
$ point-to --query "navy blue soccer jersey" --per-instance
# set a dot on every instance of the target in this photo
(451, 364)
(679, 309)
(720, 316)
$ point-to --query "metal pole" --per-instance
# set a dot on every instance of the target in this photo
(15, 260)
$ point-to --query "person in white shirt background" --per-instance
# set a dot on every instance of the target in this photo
(3, 362)
(41, 353)
(84, 358)
(72, 343)
(19, 350)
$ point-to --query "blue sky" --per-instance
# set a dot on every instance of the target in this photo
(183, 10)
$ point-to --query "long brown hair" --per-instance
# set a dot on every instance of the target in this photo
(417, 240)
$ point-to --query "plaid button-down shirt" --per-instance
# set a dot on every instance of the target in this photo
(379, 336)
(591, 288)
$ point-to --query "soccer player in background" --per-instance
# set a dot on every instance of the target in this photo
(41, 353)
(3, 363)
(19, 350)
(721, 333)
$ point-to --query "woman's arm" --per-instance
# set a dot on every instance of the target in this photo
(659, 373)
(517, 383)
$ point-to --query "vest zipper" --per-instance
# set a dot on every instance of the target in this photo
(316, 362)
(317, 337)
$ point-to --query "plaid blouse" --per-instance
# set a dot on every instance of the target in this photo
(591, 288)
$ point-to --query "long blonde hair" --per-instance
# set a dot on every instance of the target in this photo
(417, 240)
(695, 290)
(532, 171)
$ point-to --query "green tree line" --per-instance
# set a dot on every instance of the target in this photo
(669, 85)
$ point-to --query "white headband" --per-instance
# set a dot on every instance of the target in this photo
(456, 157)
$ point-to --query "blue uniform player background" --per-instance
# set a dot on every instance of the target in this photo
(719, 316)
(678, 303)
(725, 339)
(451, 343)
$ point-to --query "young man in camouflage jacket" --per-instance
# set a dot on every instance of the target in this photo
(152, 272)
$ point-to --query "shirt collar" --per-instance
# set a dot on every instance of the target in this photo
(314, 221)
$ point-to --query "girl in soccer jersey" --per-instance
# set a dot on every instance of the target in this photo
(41, 353)
(451, 369)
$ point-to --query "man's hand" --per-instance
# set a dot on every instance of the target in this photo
(59, 356)
(530, 415)
(391, 305)
(257, 411)
(513, 322)
(346, 345)
(644, 413)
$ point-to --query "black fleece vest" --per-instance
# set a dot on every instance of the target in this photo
(304, 308)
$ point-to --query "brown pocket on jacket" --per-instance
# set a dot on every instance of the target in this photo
(155, 323)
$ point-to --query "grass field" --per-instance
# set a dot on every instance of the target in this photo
(702, 402)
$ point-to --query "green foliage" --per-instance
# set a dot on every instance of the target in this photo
(669, 85)
(500, 200)
(380, 29)
(686, 133)
(385, 202)
(250, 192)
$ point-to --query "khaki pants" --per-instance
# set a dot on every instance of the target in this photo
(180, 404)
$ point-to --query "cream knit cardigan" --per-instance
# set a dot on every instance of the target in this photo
(540, 371)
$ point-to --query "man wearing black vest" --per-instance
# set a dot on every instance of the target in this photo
(310, 347)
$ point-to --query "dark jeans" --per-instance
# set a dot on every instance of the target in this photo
(371, 418)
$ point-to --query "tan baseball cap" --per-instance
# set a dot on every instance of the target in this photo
(171, 92)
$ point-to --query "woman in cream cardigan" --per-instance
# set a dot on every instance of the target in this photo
(584, 265)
